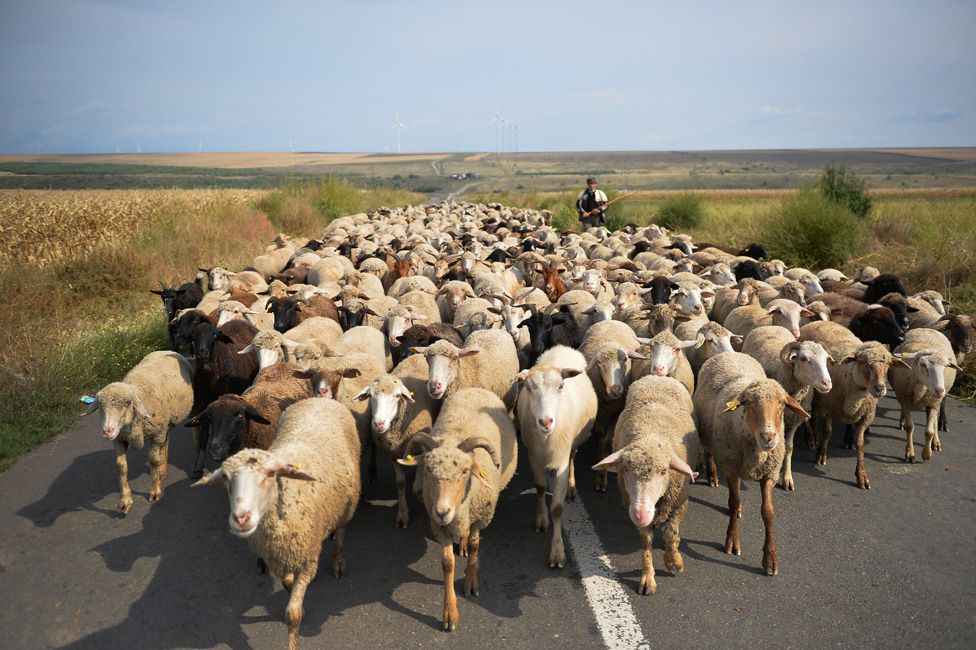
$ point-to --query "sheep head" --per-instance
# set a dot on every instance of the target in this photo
(762, 405)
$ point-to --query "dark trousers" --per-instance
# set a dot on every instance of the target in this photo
(591, 222)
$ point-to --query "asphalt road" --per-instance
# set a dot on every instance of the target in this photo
(890, 567)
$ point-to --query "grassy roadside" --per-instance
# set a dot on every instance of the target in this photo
(74, 324)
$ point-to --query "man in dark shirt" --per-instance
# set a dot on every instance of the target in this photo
(591, 205)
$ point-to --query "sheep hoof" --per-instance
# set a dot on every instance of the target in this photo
(402, 520)
(196, 473)
(770, 564)
(674, 563)
(788, 484)
(125, 504)
(926, 454)
(262, 567)
(155, 494)
(557, 558)
(450, 619)
(647, 585)
(338, 568)
(542, 525)
(470, 586)
(571, 493)
(910, 458)
(863, 482)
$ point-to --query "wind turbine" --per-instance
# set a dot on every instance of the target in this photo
(138, 148)
(290, 147)
(516, 138)
(397, 125)
(498, 121)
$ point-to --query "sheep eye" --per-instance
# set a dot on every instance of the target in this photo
(561, 386)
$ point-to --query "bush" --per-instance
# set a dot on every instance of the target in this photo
(810, 231)
(843, 186)
(680, 212)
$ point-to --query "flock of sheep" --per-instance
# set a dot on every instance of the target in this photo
(440, 335)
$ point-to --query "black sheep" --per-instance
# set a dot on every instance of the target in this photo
(661, 288)
(749, 269)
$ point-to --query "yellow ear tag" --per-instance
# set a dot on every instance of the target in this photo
(298, 465)
(409, 457)
(731, 406)
(483, 473)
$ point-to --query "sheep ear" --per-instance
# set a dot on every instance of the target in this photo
(735, 338)
(419, 350)
(303, 374)
(252, 414)
(849, 359)
(288, 470)
(479, 473)
(636, 355)
(611, 462)
(467, 352)
(289, 344)
(210, 479)
(679, 465)
(362, 396)
(407, 395)
(520, 376)
(807, 313)
(796, 407)
(140, 408)
(773, 309)
(247, 349)
(954, 365)
(911, 310)
(898, 363)
(351, 373)
(567, 373)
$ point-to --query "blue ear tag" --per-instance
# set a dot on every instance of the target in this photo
(87, 399)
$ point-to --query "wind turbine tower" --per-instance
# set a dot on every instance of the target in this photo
(397, 125)
(499, 123)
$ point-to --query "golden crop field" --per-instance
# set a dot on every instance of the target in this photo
(41, 227)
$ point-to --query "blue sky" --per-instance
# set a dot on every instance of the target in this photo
(90, 76)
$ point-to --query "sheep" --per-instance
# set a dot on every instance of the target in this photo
(868, 322)
(608, 349)
(923, 385)
(739, 415)
(665, 358)
(250, 420)
(475, 314)
(833, 275)
(809, 281)
(408, 284)
(932, 298)
(288, 312)
(784, 313)
(715, 339)
(556, 410)
(745, 292)
(272, 262)
(488, 360)
(796, 366)
(655, 444)
(858, 376)
(399, 407)
(463, 475)
(366, 340)
(319, 330)
(450, 296)
(314, 462)
(153, 397)
(789, 290)
(231, 309)
(186, 296)
(925, 315)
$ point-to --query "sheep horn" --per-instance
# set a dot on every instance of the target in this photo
(422, 441)
(480, 442)
(789, 348)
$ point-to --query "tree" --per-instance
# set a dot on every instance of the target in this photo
(841, 185)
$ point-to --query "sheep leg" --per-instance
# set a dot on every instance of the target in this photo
(811, 435)
(418, 483)
(931, 431)
(861, 472)
(936, 440)
(827, 428)
(164, 474)
(671, 531)
(450, 598)
(294, 612)
(571, 488)
(541, 512)
(848, 436)
(339, 553)
(371, 468)
(403, 512)
(647, 583)
(471, 570)
(557, 551)
(732, 544)
(909, 428)
(712, 469)
(788, 483)
(463, 545)
(200, 443)
(156, 465)
(122, 465)
(769, 518)
(943, 420)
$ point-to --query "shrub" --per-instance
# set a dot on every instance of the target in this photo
(680, 212)
(843, 186)
(809, 230)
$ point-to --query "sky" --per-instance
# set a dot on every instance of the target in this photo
(108, 75)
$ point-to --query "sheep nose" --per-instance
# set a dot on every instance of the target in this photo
(939, 392)
(795, 332)
(615, 391)
(109, 432)
(243, 518)
(658, 370)
(545, 423)
(442, 511)
(395, 341)
(379, 425)
(698, 309)
(642, 517)
(826, 385)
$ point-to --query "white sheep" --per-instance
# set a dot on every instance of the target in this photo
(287, 501)
(655, 444)
(488, 360)
(153, 397)
(924, 384)
(665, 358)
(556, 411)
(797, 366)
(468, 459)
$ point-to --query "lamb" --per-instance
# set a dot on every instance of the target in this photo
(715, 339)
(739, 415)
(608, 349)
(463, 475)
(315, 464)
(365, 340)
(796, 366)
(400, 407)
(250, 420)
(556, 410)
(153, 397)
(858, 376)
(488, 360)
(929, 377)
(655, 444)
(665, 358)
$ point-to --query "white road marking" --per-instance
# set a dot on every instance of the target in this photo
(607, 597)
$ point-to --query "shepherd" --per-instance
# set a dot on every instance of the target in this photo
(591, 205)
